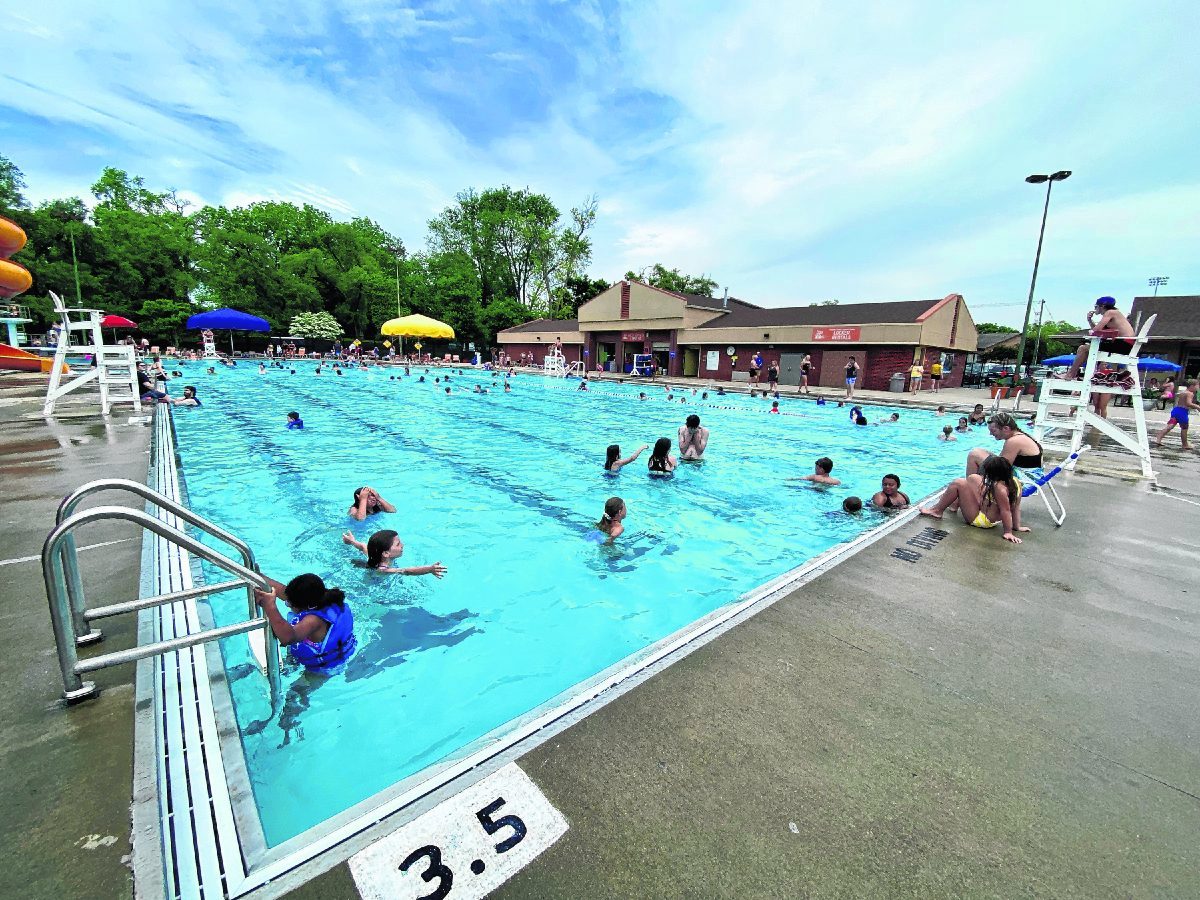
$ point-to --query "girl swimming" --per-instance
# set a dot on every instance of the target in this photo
(319, 630)
(384, 547)
(661, 461)
(613, 462)
(610, 522)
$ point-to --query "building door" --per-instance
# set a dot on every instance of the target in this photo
(789, 367)
(605, 352)
(691, 362)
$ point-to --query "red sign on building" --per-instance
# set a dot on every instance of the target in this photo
(630, 337)
(836, 334)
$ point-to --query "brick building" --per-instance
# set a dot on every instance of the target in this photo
(716, 338)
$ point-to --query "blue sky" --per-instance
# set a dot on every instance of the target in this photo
(793, 151)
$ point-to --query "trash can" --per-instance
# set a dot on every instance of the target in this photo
(896, 384)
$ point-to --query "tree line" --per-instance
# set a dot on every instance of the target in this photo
(493, 259)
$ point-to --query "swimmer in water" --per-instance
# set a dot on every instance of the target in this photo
(613, 461)
(890, 496)
(852, 505)
(610, 522)
(385, 547)
(367, 502)
(821, 471)
(661, 461)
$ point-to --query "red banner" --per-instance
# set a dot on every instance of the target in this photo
(836, 334)
(632, 336)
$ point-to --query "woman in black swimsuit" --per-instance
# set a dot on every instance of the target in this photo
(890, 497)
(661, 461)
(1019, 448)
(805, 369)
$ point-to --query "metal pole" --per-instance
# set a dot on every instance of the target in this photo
(75, 266)
(1038, 340)
(397, 261)
(1036, 260)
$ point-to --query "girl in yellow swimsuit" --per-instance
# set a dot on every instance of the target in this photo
(987, 499)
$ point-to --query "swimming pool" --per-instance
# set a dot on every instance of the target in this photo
(503, 489)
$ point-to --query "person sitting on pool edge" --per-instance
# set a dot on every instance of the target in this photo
(610, 521)
(613, 462)
(986, 499)
(692, 439)
(294, 420)
(890, 496)
(661, 461)
(319, 631)
(382, 548)
(1019, 448)
(367, 502)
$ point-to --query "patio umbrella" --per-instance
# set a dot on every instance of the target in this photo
(416, 325)
(1145, 363)
(115, 322)
(233, 319)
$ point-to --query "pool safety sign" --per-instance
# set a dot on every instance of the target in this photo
(465, 847)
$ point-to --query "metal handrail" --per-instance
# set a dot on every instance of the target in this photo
(84, 633)
(53, 571)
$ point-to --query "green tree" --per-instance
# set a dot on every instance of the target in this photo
(316, 325)
(164, 320)
(673, 280)
(576, 292)
(993, 328)
(12, 186)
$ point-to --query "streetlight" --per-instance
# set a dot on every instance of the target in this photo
(1037, 179)
(396, 251)
(1157, 281)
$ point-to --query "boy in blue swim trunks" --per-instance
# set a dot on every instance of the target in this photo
(1185, 401)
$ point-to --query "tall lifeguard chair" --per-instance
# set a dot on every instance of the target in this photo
(114, 368)
(210, 344)
(555, 364)
(1065, 433)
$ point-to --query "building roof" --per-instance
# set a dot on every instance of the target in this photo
(1178, 317)
(990, 341)
(544, 326)
(743, 315)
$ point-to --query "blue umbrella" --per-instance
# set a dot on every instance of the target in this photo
(233, 319)
(1145, 363)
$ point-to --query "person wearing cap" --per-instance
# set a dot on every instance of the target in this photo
(1113, 328)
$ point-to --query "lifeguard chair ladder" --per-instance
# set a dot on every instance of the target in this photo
(115, 369)
(555, 364)
(1066, 433)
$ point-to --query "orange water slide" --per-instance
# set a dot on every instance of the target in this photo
(15, 279)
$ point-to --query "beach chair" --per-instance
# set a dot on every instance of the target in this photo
(1041, 482)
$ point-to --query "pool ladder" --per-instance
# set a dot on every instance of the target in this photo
(72, 620)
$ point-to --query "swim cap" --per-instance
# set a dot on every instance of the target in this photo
(1106, 302)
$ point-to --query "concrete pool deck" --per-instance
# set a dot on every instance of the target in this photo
(968, 717)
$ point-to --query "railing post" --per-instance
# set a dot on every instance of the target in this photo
(84, 633)
(74, 688)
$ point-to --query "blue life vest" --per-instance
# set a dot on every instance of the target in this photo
(330, 656)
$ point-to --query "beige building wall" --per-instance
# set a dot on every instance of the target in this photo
(543, 337)
(656, 309)
(936, 330)
(904, 333)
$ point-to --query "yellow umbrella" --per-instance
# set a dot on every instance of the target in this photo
(416, 325)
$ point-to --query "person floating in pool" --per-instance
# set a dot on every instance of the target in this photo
(383, 548)
(661, 461)
(693, 439)
(889, 420)
(610, 521)
(262, 368)
(947, 434)
(367, 502)
(852, 505)
(940, 411)
(774, 407)
(613, 461)
(978, 416)
(963, 426)
(890, 496)
(821, 470)
(294, 421)
(985, 499)
(319, 630)
(507, 388)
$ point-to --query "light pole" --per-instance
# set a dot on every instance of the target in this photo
(1037, 179)
(1157, 281)
(396, 251)
(1038, 341)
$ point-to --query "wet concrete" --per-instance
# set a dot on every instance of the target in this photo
(983, 720)
(66, 774)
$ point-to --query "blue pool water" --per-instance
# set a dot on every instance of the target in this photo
(503, 489)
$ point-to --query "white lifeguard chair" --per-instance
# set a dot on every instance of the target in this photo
(210, 344)
(643, 364)
(555, 364)
(114, 367)
(1065, 433)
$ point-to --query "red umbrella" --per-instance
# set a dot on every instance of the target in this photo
(115, 322)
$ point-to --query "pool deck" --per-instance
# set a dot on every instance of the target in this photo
(974, 719)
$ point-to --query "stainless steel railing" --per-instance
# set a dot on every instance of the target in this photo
(72, 620)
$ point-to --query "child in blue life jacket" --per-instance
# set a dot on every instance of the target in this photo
(294, 420)
(319, 630)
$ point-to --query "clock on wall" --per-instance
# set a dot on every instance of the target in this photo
(729, 350)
